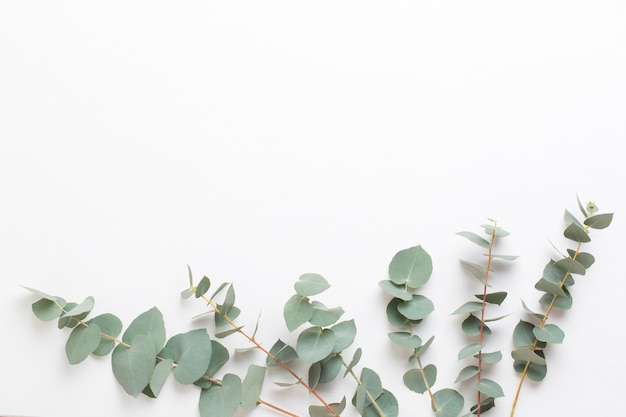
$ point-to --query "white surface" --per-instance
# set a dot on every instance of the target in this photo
(256, 141)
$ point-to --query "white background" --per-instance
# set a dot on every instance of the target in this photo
(259, 140)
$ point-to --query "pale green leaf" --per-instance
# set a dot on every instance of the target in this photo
(599, 221)
(225, 333)
(330, 368)
(311, 284)
(387, 403)
(467, 373)
(490, 388)
(42, 294)
(586, 259)
(414, 379)
(527, 355)
(190, 276)
(471, 326)
(425, 346)
(473, 237)
(570, 265)
(221, 400)
(314, 344)
(405, 339)
(297, 311)
(393, 315)
(324, 316)
(491, 357)
(314, 374)
(504, 257)
(281, 352)
(546, 286)
(576, 233)
(395, 290)
(149, 323)
(523, 335)
(85, 307)
(412, 266)
(449, 403)
(133, 366)
(492, 230)
(159, 375)
(203, 287)
(355, 360)
(345, 332)
(535, 372)
(570, 218)
(81, 343)
(47, 310)
(494, 297)
(251, 386)
(550, 333)
(477, 271)
(186, 293)
(469, 307)
(192, 355)
(109, 325)
(417, 308)
(469, 350)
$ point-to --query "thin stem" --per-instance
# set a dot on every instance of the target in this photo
(283, 365)
(369, 396)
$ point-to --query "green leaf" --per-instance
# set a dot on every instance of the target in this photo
(471, 326)
(550, 333)
(322, 411)
(386, 402)
(425, 346)
(599, 221)
(232, 314)
(581, 207)
(564, 303)
(219, 289)
(229, 303)
(449, 403)
(219, 357)
(469, 350)
(469, 307)
(133, 366)
(526, 355)
(150, 323)
(571, 219)
(109, 325)
(477, 271)
(203, 287)
(324, 316)
(190, 276)
(490, 388)
(393, 315)
(576, 233)
(405, 339)
(85, 307)
(494, 297)
(370, 383)
(81, 343)
(491, 357)
(491, 230)
(586, 259)
(311, 284)
(504, 257)
(546, 286)
(475, 239)
(314, 374)
(556, 275)
(251, 387)
(523, 335)
(314, 344)
(221, 400)
(330, 368)
(355, 360)
(529, 311)
(192, 355)
(42, 294)
(395, 290)
(535, 372)
(186, 293)
(282, 352)
(70, 322)
(345, 332)
(297, 311)
(159, 376)
(570, 265)
(414, 380)
(47, 310)
(225, 333)
(412, 266)
(467, 373)
(417, 308)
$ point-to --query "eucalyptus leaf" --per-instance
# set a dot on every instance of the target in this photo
(225, 333)
(281, 352)
(221, 400)
(251, 387)
(47, 310)
(324, 316)
(186, 293)
(133, 366)
(203, 287)
(330, 368)
(570, 218)
(564, 303)
(504, 257)
(473, 237)
(546, 286)
(311, 284)
(556, 275)
(412, 266)
(535, 372)
(42, 294)
(420, 351)
(159, 376)
(82, 342)
(469, 350)
(109, 325)
(417, 308)
(570, 265)
(345, 332)
(549, 333)
(395, 290)
(220, 319)
(394, 316)
(527, 355)
(405, 339)
(322, 411)
(414, 379)
(523, 335)
(386, 402)
(314, 344)
(192, 352)
(599, 221)
(469, 307)
(586, 259)
(467, 373)
(297, 311)
(85, 307)
(493, 230)
(471, 326)
(449, 403)
(355, 360)
(576, 233)
(149, 323)
(491, 357)
(477, 271)
(490, 388)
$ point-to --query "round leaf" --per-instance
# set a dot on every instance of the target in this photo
(192, 355)
(109, 325)
(297, 311)
(133, 366)
(447, 403)
(417, 308)
(311, 284)
(314, 344)
(82, 342)
(412, 266)
(414, 380)
(150, 324)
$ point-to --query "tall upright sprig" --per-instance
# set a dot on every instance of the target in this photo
(530, 338)
(408, 270)
(487, 390)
